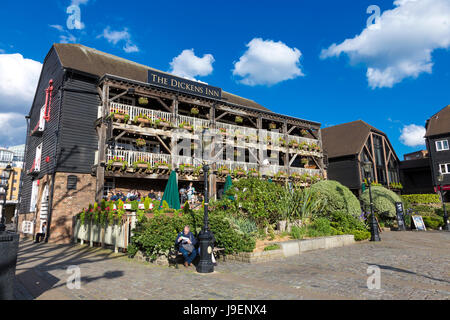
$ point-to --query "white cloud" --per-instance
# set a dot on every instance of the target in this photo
(188, 65)
(413, 135)
(267, 62)
(65, 36)
(115, 37)
(400, 45)
(14, 128)
(18, 82)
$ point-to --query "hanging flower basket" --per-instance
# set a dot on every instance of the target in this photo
(141, 143)
(272, 126)
(143, 101)
(304, 132)
(195, 111)
(239, 120)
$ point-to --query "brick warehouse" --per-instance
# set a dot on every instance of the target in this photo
(91, 108)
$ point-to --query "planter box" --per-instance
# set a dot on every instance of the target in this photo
(143, 121)
(119, 117)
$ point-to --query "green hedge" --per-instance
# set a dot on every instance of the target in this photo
(383, 201)
(433, 222)
(421, 198)
(338, 197)
(156, 236)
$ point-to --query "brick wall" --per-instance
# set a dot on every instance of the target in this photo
(66, 204)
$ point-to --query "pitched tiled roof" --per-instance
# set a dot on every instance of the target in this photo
(92, 61)
(439, 123)
(347, 138)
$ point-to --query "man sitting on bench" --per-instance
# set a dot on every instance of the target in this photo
(185, 243)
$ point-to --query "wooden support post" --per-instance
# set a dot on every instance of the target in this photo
(102, 146)
(286, 154)
(260, 145)
(374, 162)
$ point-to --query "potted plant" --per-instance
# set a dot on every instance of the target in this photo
(120, 116)
(304, 162)
(239, 120)
(304, 132)
(194, 111)
(143, 101)
(141, 142)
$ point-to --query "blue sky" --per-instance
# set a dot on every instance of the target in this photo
(278, 53)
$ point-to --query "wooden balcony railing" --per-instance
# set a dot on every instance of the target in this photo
(196, 124)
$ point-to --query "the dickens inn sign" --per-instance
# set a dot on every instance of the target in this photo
(183, 85)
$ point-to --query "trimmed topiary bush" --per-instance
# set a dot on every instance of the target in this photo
(338, 197)
(383, 201)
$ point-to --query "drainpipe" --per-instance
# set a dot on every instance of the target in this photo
(23, 173)
(55, 162)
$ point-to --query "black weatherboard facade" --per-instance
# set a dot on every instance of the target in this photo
(438, 146)
(69, 140)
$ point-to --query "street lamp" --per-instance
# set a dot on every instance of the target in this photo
(440, 179)
(375, 236)
(4, 185)
(206, 238)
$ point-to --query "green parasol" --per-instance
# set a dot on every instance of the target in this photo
(228, 185)
(171, 193)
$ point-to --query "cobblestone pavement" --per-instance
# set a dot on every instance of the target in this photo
(414, 265)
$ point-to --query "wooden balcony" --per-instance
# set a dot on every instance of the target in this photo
(150, 122)
(151, 165)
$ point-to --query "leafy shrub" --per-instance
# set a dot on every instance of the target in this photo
(361, 235)
(422, 198)
(433, 222)
(383, 201)
(321, 227)
(342, 221)
(244, 225)
(258, 200)
(338, 197)
(272, 247)
(303, 204)
(298, 232)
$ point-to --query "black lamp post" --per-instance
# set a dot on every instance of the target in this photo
(4, 185)
(206, 238)
(375, 236)
(440, 179)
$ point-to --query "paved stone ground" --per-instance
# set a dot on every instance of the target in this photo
(414, 265)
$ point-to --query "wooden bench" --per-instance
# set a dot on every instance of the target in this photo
(175, 255)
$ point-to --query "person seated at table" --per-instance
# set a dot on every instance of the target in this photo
(185, 243)
(113, 196)
(152, 195)
(130, 195)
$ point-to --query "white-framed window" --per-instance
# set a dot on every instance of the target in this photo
(34, 195)
(442, 145)
(37, 159)
(42, 119)
(108, 186)
(444, 168)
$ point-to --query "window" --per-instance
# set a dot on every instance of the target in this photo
(442, 145)
(108, 186)
(34, 194)
(444, 168)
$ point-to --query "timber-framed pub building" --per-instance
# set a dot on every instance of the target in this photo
(99, 122)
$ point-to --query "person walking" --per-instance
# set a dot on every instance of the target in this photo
(41, 235)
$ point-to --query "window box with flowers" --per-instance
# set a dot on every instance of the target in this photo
(253, 172)
(282, 142)
(223, 170)
(141, 165)
(223, 131)
(142, 120)
(185, 125)
(293, 144)
(159, 122)
(186, 168)
(238, 134)
(239, 172)
(119, 116)
(161, 165)
(117, 162)
(303, 146)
